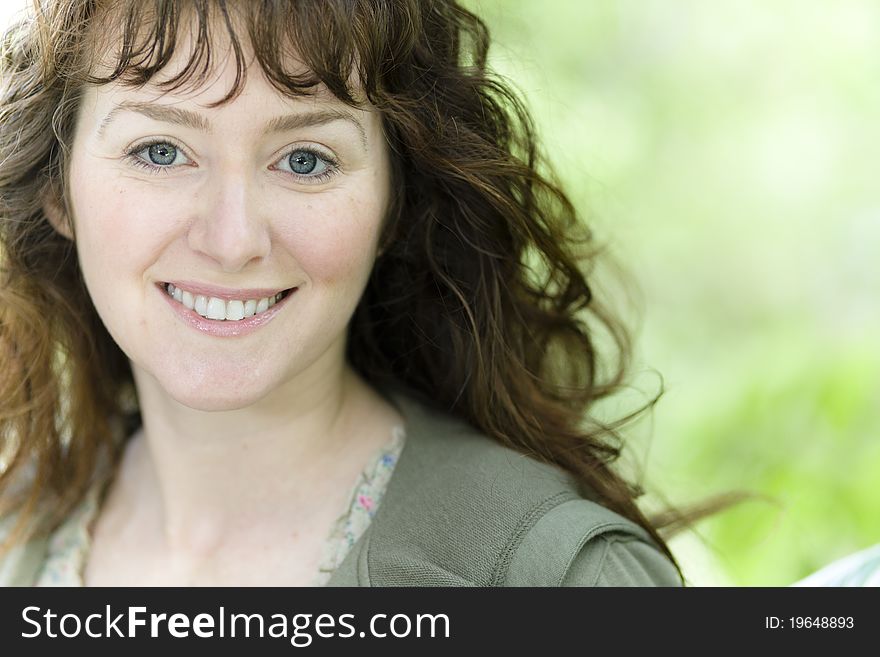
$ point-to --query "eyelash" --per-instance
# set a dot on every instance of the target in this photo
(331, 164)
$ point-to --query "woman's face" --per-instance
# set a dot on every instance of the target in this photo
(231, 205)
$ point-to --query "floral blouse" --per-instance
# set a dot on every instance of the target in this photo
(69, 544)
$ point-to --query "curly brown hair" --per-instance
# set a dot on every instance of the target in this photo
(479, 300)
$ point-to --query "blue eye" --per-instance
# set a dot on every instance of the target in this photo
(302, 162)
(158, 156)
(308, 164)
(163, 154)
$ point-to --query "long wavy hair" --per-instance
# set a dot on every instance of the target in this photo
(480, 299)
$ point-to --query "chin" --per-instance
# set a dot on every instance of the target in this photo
(218, 403)
(229, 397)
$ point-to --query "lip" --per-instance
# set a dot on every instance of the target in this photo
(226, 293)
(219, 327)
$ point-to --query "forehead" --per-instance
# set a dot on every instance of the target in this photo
(195, 103)
(250, 115)
(230, 94)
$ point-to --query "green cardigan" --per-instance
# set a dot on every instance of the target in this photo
(462, 510)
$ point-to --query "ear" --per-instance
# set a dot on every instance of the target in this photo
(54, 210)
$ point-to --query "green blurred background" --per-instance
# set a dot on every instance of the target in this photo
(727, 152)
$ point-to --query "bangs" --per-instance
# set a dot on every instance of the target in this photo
(298, 45)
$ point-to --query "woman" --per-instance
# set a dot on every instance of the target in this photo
(286, 300)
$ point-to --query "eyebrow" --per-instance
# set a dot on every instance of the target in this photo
(194, 120)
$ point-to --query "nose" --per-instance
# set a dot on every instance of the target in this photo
(227, 227)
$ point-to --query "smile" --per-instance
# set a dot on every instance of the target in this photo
(215, 308)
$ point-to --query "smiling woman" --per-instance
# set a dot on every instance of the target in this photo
(236, 204)
(287, 300)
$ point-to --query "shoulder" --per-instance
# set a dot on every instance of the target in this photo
(580, 543)
(462, 509)
(19, 564)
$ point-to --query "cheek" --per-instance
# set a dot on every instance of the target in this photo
(336, 238)
(118, 237)
(119, 227)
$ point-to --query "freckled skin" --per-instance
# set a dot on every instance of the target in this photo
(227, 219)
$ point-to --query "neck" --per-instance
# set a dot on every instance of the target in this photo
(203, 478)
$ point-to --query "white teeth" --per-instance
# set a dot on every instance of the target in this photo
(201, 305)
(235, 310)
(218, 309)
